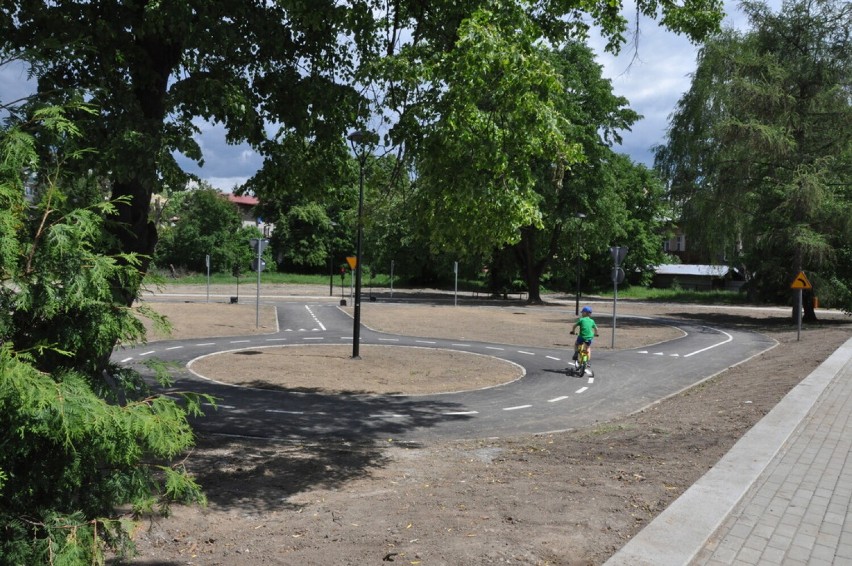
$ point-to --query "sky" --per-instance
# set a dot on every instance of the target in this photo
(652, 78)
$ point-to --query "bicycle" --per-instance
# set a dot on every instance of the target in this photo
(581, 366)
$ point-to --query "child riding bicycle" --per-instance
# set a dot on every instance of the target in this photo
(588, 331)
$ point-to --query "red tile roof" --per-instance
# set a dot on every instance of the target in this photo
(245, 199)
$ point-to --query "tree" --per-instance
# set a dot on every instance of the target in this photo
(76, 443)
(203, 222)
(271, 69)
(599, 186)
(758, 151)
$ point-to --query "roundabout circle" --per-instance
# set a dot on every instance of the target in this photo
(381, 369)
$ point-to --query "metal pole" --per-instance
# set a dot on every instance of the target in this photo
(456, 287)
(391, 281)
(614, 306)
(356, 332)
(799, 315)
(580, 216)
(207, 261)
(257, 302)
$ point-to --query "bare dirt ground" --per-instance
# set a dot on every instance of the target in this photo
(559, 499)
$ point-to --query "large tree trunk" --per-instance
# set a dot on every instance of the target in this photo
(137, 179)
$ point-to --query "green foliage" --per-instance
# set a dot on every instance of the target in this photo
(302, 235)
(200, 222)
(79, 438)
(758, 154)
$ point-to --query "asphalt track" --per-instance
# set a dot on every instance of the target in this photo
(544, 400)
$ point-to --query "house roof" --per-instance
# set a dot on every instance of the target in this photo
(243, 199)
(684, 269)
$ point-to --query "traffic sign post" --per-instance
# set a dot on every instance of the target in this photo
(257, 264)
(799, 284)
(617, 253)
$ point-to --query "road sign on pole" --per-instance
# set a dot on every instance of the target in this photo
(801, 282)
(618, 253)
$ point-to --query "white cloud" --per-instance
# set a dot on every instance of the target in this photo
(654, 76)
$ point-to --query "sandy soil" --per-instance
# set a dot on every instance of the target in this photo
(568, 498)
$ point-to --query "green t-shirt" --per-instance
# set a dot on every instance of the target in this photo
(587, 327)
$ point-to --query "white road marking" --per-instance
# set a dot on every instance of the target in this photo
(424, 342)
(527, 353)
(730, 338)
(284, 412)
(315, 317)
(457, 413)
(552, 358)
(462, 345)
(125, 360)
(148, 352)
(207, 344)
(239, 341)
(555, 399)
(516, 408)
(175, 348)
(276, 339)
(494, 348)
(388, 416)
(581, 390)
(388, 339)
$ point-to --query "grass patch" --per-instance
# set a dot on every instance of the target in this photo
(716, 297)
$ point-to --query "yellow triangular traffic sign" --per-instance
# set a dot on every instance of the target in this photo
(801, 282)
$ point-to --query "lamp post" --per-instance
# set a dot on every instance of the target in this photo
(358, 138)
(579, 216)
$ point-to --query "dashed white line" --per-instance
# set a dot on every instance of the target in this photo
(555, 399)
(284, 412)
(527, 353)
(424, 342)
(388, 416)
(458, 413)
(276, 339)
(462, 345)
(388, 339)
(313, 338)
(317, 320)
(581, 390)
(494, 348)
(516, 408)
(125, 360)
(175, 348)
(207, 344)
(147, 353)
(239, 341)
(552, 358)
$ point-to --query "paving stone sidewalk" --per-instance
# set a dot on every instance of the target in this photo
(782, 495)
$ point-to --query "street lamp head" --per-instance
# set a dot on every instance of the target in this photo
(579, 215)
(362, 137)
